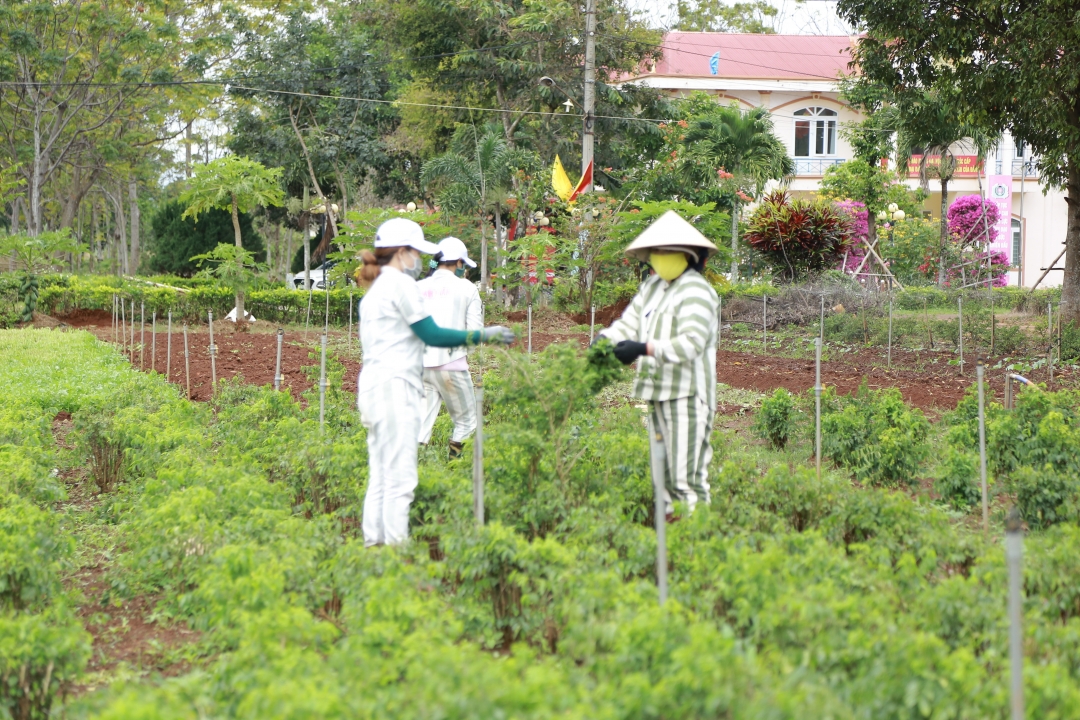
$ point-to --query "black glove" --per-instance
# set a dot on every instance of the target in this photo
(627, 351)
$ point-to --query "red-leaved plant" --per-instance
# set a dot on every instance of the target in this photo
(799, 236)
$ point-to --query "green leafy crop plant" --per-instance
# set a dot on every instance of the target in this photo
(790, 597)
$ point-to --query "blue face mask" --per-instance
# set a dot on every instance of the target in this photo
(460, 272)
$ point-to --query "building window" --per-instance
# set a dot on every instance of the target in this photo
(1016, 243)
(1018, 149)
(816, 135)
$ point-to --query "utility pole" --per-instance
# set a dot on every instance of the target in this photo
(590, 89)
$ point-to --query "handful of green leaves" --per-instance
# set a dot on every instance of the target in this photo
(604, 367)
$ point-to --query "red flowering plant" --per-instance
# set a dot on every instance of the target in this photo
(799, 236)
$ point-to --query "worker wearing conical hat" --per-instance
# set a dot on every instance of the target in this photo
(669, 329)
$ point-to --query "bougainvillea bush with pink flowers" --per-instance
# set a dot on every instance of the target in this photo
(972, 220)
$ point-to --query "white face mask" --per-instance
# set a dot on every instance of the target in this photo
(416, 269)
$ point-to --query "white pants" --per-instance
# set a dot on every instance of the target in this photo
(685, 427)
(391, 414)
(453, 387)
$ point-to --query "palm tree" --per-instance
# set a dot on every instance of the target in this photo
(743, 144)
(932, 126)
(475, 175)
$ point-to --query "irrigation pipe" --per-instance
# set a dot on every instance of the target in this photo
(592, 322)
(132, 344)
(528, 312)
(114, 318)
(123, 327)
(1050, 340)
(348, 341)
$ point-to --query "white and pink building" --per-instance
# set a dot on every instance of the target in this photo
(796, 78)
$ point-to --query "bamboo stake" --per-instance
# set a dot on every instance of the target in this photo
(1014, 554)
(213, 355)
(817, 407)
(960, 306)
(123, 328)
(348, 343)
(322, 385)
(187, 365)
(168, 350)
(890, 331)
(765, 322)
(132, 345)
(153, 341)
(592, 323)
(528, 312)
(277, 362)
(979, 372)
(142, 335)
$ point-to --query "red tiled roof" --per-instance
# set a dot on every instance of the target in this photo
(787, 57)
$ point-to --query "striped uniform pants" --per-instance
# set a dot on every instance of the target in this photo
(391, 414)
(453, 387)
(685, 425)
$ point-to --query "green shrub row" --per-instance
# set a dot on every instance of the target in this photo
(277, 304)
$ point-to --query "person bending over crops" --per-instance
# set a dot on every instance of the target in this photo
(669, 328)
(451, 300)
(394, 328)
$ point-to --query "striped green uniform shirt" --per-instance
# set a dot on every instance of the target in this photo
(680, 320)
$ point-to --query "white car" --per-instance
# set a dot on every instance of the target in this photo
(317, 275)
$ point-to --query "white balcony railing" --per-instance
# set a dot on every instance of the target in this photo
(1017, 167)
(814, 167)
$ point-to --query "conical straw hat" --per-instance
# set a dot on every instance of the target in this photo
(669, 231)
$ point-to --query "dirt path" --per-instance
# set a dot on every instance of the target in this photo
(122, 629)
(925, 379)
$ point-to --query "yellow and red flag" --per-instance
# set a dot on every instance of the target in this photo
(560, 182)
(584, 182)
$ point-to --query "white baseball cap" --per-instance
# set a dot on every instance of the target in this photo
(451, 249)
(402, 232)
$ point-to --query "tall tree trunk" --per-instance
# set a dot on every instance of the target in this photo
(944, 231)
(133, 209)
(121, 231)
(1070, 289)
(735, 241)
(241, 319)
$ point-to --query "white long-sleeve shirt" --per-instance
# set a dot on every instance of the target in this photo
(453, 302)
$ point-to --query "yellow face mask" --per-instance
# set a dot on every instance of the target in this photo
(668, 265)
